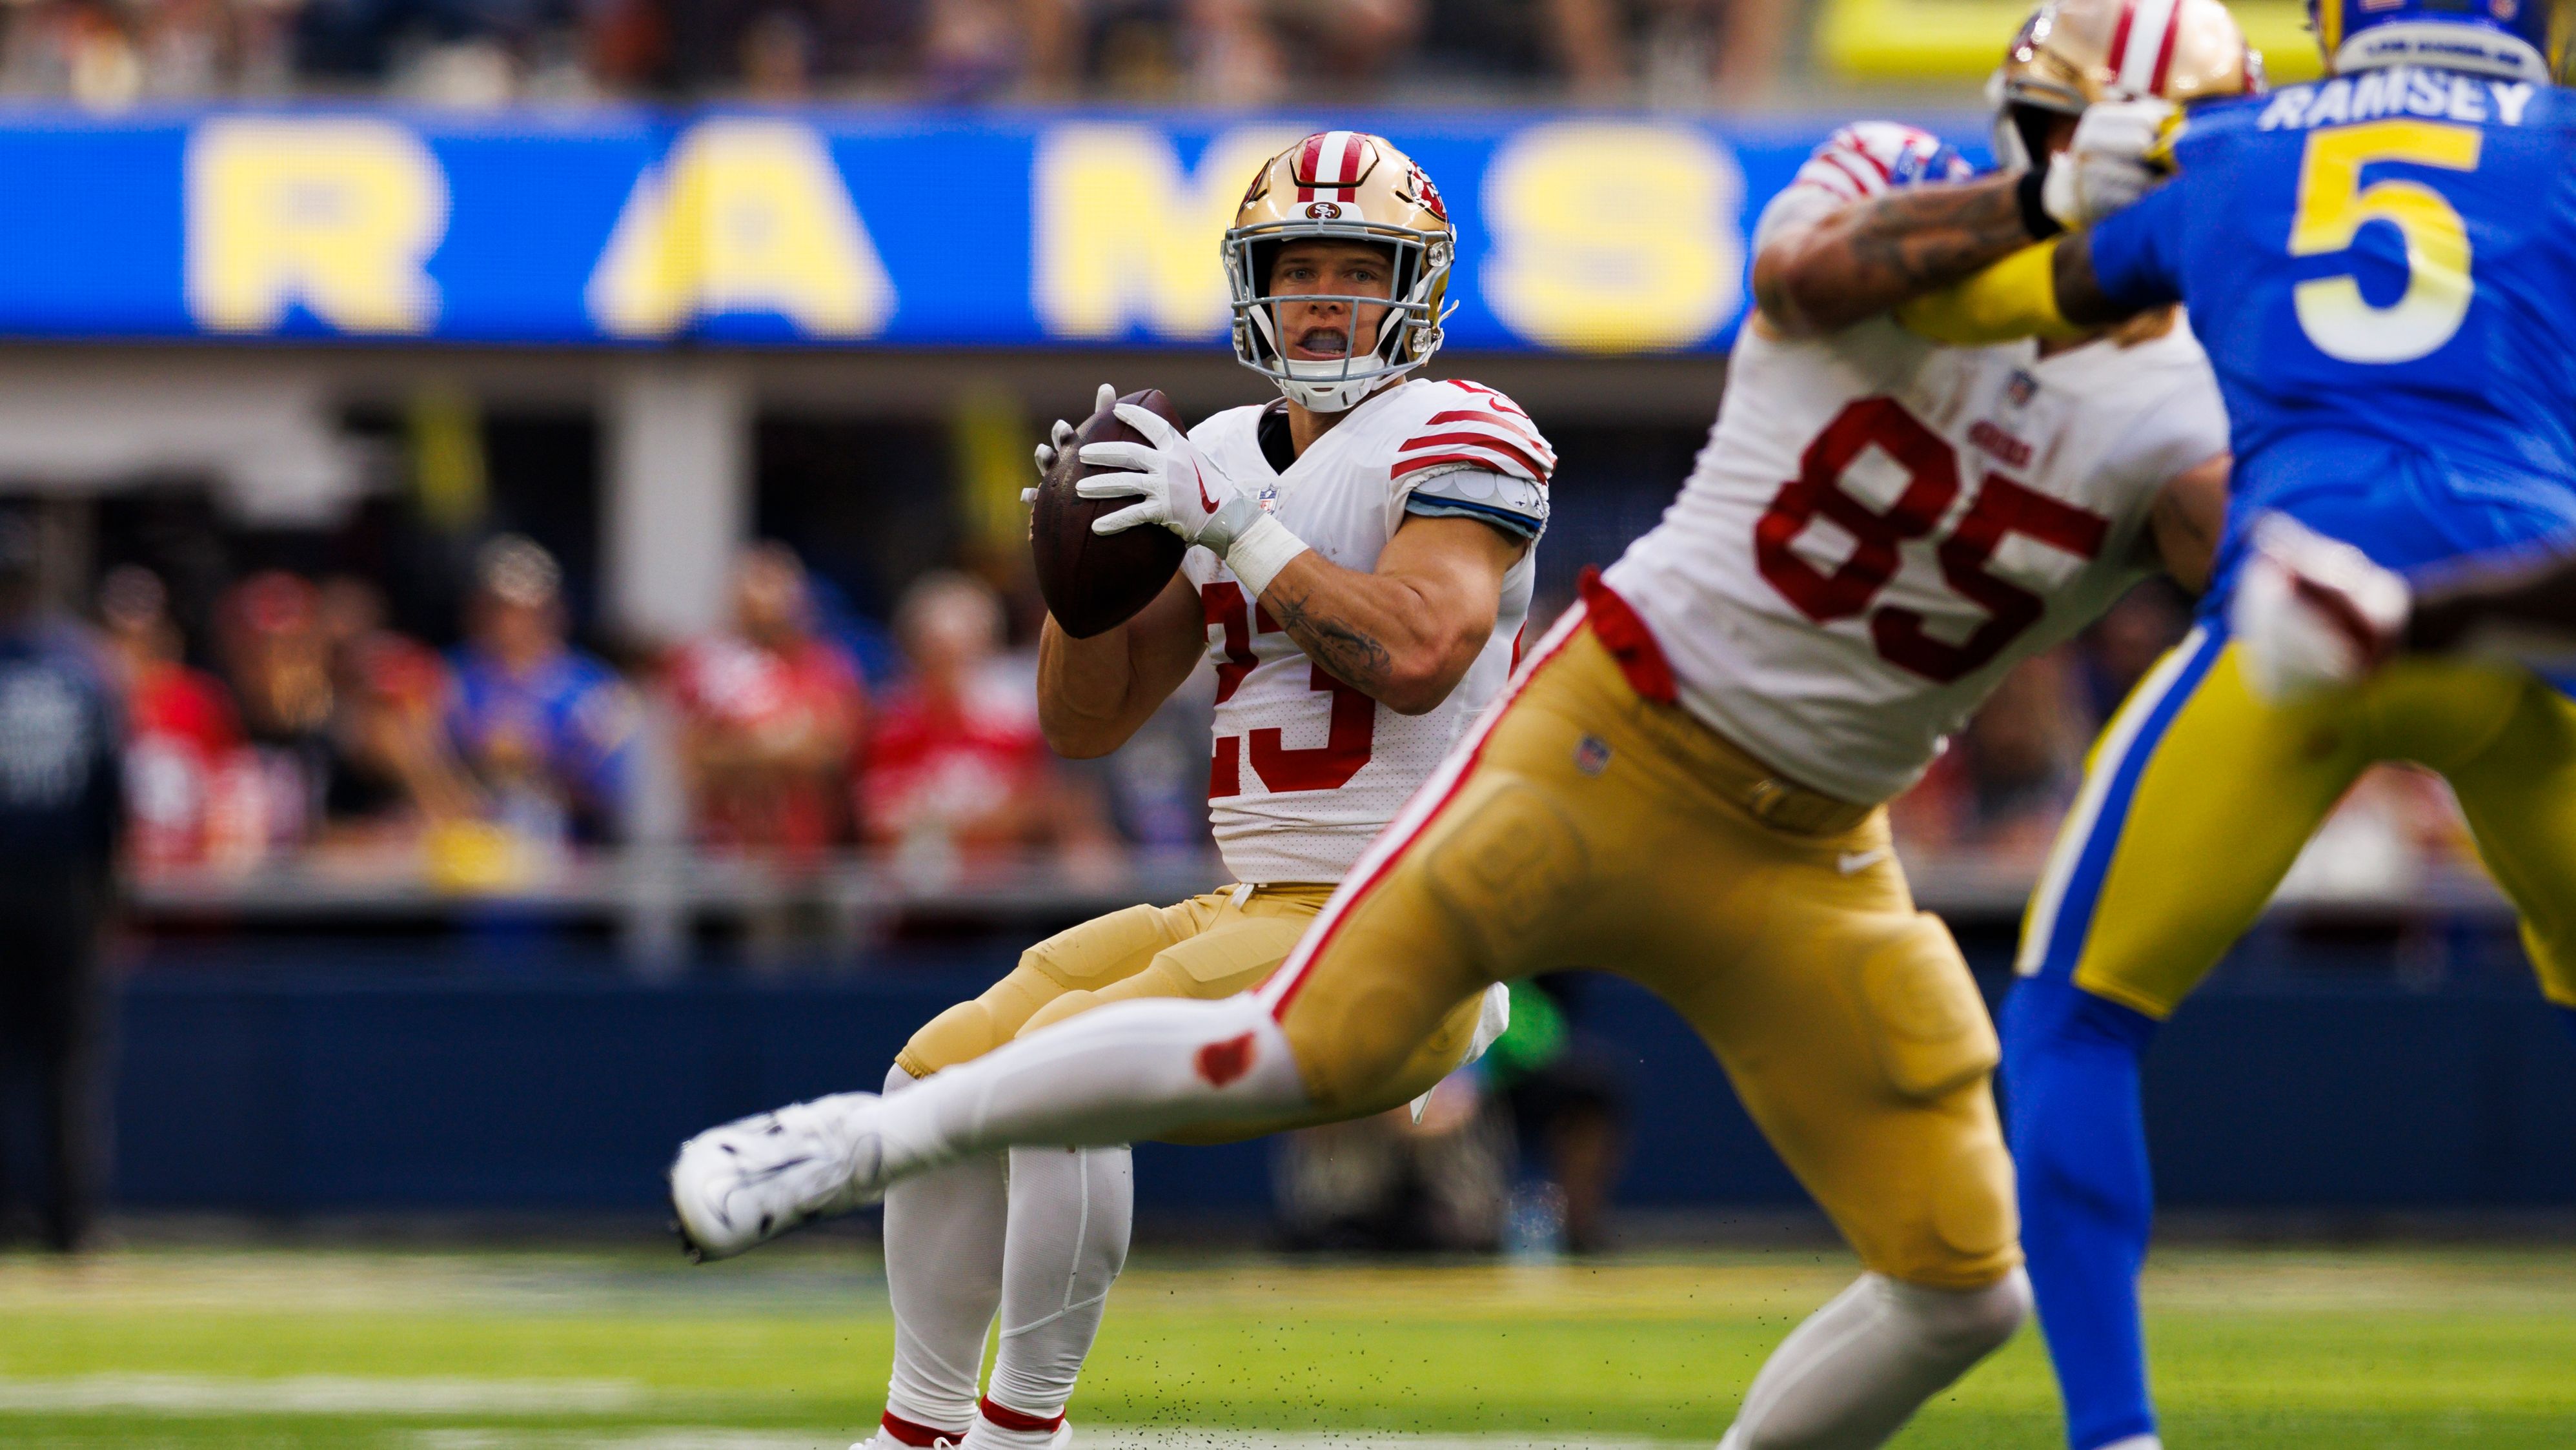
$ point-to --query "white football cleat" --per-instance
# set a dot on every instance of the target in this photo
(745, 1183)
(1061, 1440)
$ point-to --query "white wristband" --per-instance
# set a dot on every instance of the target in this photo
(1260, 552)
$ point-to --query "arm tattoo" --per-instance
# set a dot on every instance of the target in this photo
(1872, 255)
(1353, 655)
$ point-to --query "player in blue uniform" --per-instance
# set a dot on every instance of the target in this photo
(2382, 267)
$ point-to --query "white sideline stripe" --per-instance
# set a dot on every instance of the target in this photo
(317, 1395)
(1112, 1438)
(681, 1437)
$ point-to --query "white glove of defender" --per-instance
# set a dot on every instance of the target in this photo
(2104, 168)
(1182, 489)
(1059, 437)
(2313, 614)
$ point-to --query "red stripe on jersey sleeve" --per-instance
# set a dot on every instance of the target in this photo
(1535, 443)
(1827, 179)
(1498, 400)
(1491, 439)
(1434, 460)
(1869, 184)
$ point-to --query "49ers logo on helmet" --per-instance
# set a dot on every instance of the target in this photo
(1324, 211)
(1426, 195)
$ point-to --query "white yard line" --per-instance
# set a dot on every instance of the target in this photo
(400, 1397)
(1106, 1438)
(317, 1395)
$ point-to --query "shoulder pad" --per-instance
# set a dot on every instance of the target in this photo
(1477, 427)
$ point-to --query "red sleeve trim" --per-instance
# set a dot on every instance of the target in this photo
(1500, 400)
(1434, 460)
(1474, 415)
(1478, 438)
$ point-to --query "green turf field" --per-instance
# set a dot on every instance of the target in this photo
(604, 1351)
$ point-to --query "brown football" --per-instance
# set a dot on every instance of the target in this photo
(1096, 582)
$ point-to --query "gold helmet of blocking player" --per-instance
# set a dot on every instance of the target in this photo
(2071, 53)
(1346, 186)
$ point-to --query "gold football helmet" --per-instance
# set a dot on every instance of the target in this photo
(1343, 186)
(2071, 53)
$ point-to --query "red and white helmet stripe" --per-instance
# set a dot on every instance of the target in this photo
(2142, 45)
(1335, 162)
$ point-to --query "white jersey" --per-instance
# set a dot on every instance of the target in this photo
(1879, 529)
(1307, 770)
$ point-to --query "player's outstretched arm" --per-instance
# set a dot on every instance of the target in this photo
(1866, 258)
(1094, 693)
(2048, 290)
(1406, 634)
(2499, 611)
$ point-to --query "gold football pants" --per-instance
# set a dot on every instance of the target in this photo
(1207, 947)
(2199, 797)
(1586, 825)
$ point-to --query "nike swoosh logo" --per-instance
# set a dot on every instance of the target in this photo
(1201, 480)
(1852, 863)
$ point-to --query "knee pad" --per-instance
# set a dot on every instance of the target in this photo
(1352, 1045)
(1927, 1025)
(1074, 962)
(1069, 1005)
(1098, 952)
(960, 1034)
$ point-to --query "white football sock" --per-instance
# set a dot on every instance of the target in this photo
(1071, 1210)
(1018, 1434)
(2136, 1442)
(1115, 1074)
(1856, 1371)
(944, 1236)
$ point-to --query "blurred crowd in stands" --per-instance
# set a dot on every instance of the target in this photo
(309, 725)
(112, 53)
(297, 725)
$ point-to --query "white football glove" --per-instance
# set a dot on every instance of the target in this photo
(1181, 488)
(1057, 438)
(2105, 167)
(2313, 614)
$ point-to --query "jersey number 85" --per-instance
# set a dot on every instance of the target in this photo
(1932, 485)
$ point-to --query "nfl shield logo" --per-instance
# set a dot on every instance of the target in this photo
(1592, 756)
(2021, 388)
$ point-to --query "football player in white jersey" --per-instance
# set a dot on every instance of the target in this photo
(1363, 570)
(1684, 782)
